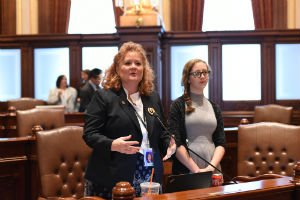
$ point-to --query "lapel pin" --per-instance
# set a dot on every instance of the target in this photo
(123, 102)
(151, 111)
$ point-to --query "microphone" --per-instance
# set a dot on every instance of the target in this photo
(152, 112)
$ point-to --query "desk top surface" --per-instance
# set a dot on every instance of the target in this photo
(230, 191)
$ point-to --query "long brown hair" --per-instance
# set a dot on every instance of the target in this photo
(113, 81)
(185, 82)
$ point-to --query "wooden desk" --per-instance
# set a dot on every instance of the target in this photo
(8, 126)
(229, 161)
(17, 181)
(8, 123)
(19, 178)
(74, 119)
(231, 119)
(275, 189)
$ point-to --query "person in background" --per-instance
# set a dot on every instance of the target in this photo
(63, 95)
(84, 80)
(84, 77)
(88, 90)
(119, 128)
(196, 119)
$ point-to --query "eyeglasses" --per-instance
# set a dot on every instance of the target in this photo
(199, 74)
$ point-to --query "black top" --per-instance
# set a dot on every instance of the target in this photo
(86, 94)
(110, 116)
(176, 123)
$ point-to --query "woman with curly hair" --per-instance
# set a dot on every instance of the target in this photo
(196, 122)
(119, 128)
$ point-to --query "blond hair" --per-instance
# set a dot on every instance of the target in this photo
(113, 81)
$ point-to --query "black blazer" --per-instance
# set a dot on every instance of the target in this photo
(110, 116)
(86, 94)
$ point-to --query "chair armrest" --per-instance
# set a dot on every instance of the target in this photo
(91, 198)
(257, 178)
(70, 198)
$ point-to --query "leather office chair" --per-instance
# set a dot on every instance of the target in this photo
(62, 157)
(46, 118)
(25, 103)
(273, 113)
(268, 148)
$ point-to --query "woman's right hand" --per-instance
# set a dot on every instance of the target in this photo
(123, 146)
(200, 170)
(60, 91)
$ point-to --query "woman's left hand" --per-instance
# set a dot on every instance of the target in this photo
(171, 149)
(207, 169)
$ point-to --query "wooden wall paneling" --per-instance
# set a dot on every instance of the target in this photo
(12, 179)
(296, 116)
(157, 54)
(3, 106)
(13, 168)
(8, 17)
(151, 38)
(215, 62)
(294, 103)
(32, 175)
(230, 118)
(27, 71)
(234, 37)
(74, 119)
(11, 125)
(2, 125)
(100, 40)
(233, 118)
(229, 161)
(239, 105)
(268, 82)
(75, 51)
(154, 53)
(166, 80)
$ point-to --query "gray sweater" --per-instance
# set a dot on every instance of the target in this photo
(177, 126)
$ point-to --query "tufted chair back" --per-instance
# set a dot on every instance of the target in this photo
(273, 113)
(268, 147)
(62, 157)
(25, 103)
(47, 118)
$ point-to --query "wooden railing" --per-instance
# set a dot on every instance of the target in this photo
(8, 126)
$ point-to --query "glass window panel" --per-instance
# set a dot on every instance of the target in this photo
(220, 15)
(49, 63)
(287, 71)
(179, 56)
(10, 74)
(98, 57)
(92, 16)
(241, 72)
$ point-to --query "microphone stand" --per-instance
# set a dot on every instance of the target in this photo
(153, 113)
